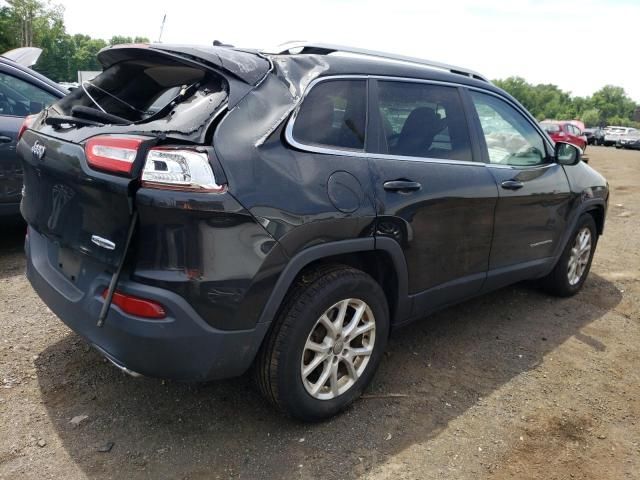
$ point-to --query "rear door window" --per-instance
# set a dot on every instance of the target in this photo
(422, 120)
(333, 114)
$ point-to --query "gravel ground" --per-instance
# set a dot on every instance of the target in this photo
(511, 385)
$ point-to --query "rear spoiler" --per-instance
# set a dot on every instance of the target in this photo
(243, 70)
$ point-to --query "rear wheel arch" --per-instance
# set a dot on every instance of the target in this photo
(384, 264)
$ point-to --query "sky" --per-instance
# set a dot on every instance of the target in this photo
(579, 45)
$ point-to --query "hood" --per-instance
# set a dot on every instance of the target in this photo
(25, 56)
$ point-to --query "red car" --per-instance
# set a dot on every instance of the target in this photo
(565, 132)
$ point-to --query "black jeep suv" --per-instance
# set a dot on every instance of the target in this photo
(197, 211)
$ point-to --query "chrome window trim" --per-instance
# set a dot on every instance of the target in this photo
(520, 167)
(288, 133)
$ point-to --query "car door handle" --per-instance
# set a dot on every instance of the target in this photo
(4, 139)
(512, 185)
(401, 186)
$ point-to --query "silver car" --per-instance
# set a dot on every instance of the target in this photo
(629, 140)
(613, 133)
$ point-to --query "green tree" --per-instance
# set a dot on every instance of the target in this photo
(25, 13)
(57, 48)
(520, 89)
(87, 48)
(40, 23)
(613, 102)
(543, 101)
(609, 105)
(591, 117)
(8, 30)
(120, 39)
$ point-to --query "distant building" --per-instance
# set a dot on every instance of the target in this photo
(636, 115)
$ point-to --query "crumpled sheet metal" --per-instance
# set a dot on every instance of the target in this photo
(296, 73)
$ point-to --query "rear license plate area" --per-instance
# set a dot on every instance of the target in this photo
(69, 263)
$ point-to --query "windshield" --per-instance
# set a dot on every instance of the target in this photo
(138, 90)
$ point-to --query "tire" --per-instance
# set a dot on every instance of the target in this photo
(284, 354)
(560, 281)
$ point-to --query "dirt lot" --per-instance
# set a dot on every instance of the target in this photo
(512, 385)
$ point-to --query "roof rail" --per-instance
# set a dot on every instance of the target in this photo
(327, 48)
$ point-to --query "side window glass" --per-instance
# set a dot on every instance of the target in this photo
(422, 120)
(510, 137)
(333, 114)
(19, 98)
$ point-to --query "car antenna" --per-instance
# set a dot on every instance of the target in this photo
(164, 19)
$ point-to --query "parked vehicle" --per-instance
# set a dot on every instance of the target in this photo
(630, 140)
(565, 132)
(595, 136)
(613, 133)
(201, 210)
(22, 92)
(578, 123)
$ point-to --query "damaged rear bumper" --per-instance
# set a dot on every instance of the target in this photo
(181, 346)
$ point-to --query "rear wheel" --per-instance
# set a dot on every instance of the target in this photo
(572, 269)
(325, 345)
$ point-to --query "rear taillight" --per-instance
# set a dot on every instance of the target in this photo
(28, 121)
(179, 169)
(139, 307)
(165, 167)
(112, 153)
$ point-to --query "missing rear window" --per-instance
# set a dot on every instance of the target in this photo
(139, 91)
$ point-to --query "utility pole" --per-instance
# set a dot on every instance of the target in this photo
(164, 19)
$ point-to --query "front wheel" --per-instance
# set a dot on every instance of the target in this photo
(326, 343)
(572, 269)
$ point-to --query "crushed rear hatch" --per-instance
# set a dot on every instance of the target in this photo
(147, 95)
(77, 208)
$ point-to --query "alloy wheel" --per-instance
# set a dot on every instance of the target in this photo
(338, 349)
(579, 257)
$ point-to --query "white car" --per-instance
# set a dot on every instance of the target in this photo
(613, 133)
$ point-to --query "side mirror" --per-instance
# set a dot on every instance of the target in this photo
(567, 154)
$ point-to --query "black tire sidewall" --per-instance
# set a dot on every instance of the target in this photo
(293, 395)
